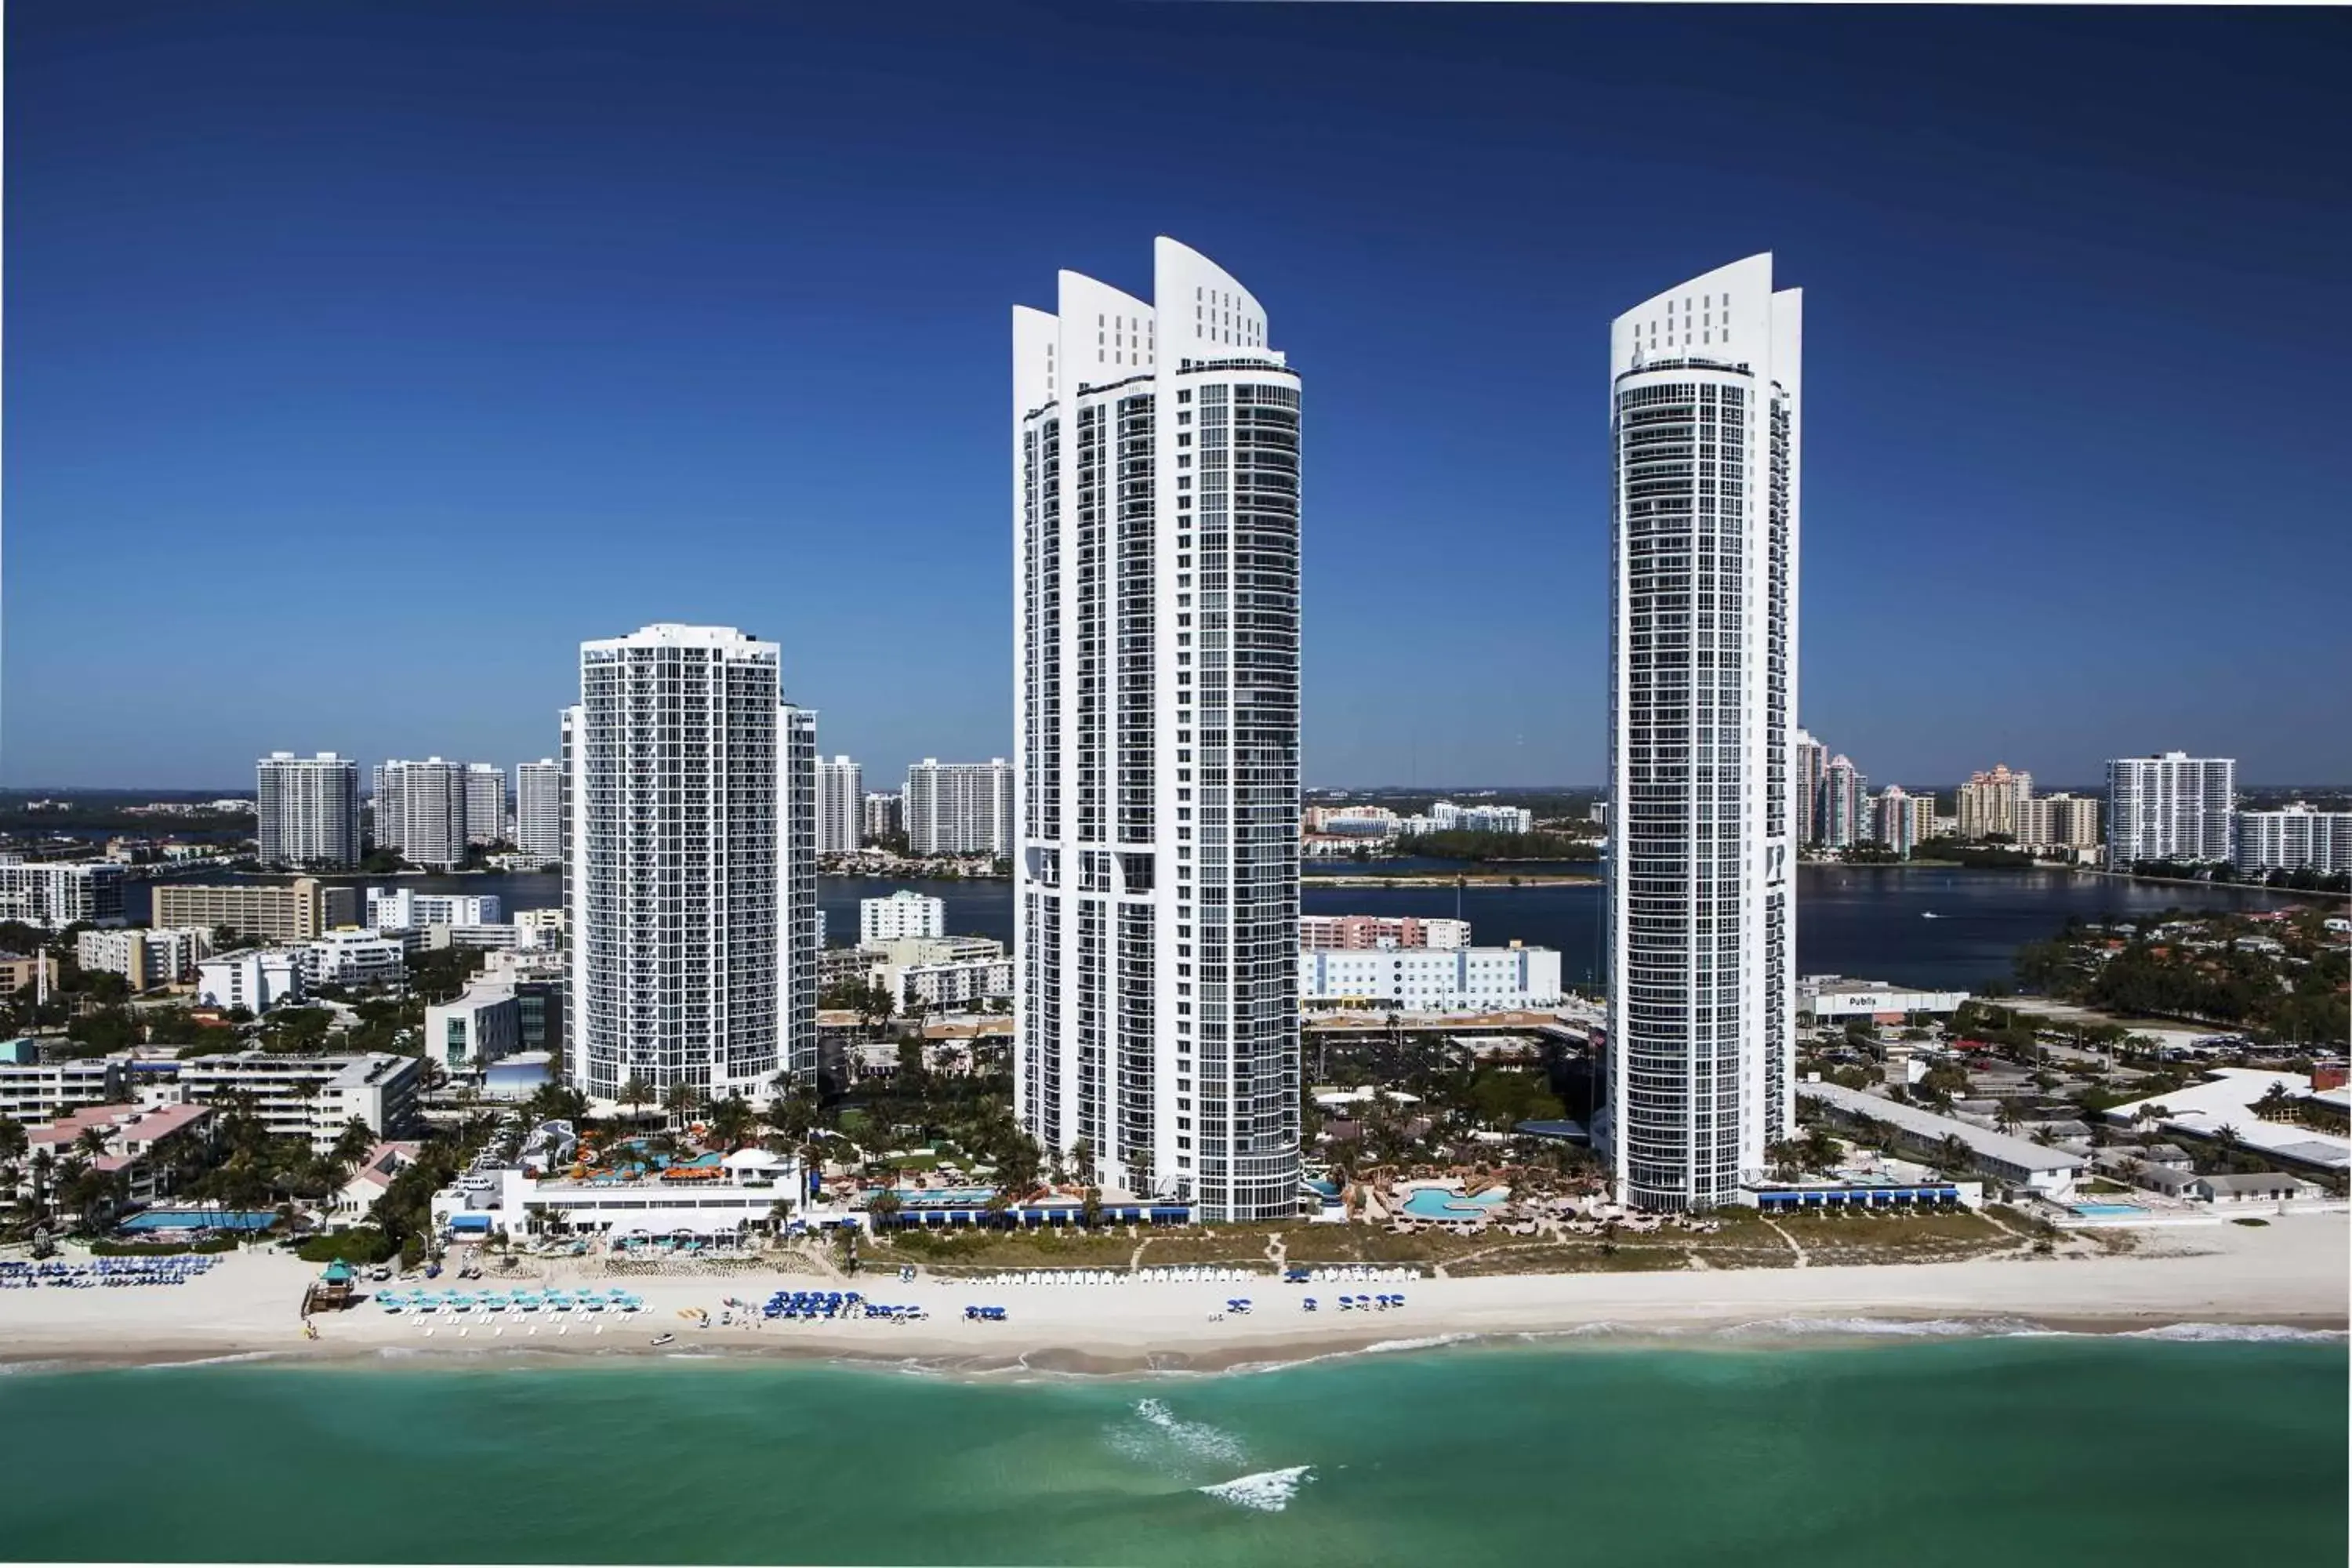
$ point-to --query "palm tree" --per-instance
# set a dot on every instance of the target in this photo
(14, 1141)
(1954, 1155)
(2005, 1118)
(91, 1140)
(351, 1147)
(637, 1093)
(779, 1214)
(682, 1101)
(731, 1121)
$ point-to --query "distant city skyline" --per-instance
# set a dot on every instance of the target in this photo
(415, 350)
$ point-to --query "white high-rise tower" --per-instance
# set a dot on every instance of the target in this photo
(690, 879)
(309, 809)
(1156, 533)
(420, 810)
(840, 798)
(1705, 418)
(538, 810)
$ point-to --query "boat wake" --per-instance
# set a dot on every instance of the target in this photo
(1268, 1491)
(1197, 1438)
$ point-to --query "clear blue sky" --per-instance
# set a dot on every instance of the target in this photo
(361, 360)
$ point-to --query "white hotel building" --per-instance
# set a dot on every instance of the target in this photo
(421, 811)
(1705, 425)
(1156, 538)
(691, 888)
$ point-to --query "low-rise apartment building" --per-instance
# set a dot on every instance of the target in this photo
(1431, 980)
(54, 894)
(145, 958)
(256, 979)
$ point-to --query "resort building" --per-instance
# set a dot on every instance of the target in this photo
(312, 1097)
(483, 1024)
(54, 894)
(737, 1194)
(1156, 629)
(2050, 1171)
(298, 911)
(143, 1144)
(145, 958)
(2171, 806)
(2294, 839)
(255, 978)
(2257, 1120)
(904, 913)
(1430, 979)
(840, 799)
(1705, 378)
(368, 1184)
(539, 811)
(691, 891)
(1381, 931)
(958, 808)
(33, 1091)
(1992, 804)
(308, 810)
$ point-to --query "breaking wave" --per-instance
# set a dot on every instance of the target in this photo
(1268, 1491)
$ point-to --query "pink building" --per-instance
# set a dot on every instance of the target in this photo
(1344, 931)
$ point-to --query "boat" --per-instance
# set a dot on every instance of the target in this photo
(1929, 915)
(661, 1339)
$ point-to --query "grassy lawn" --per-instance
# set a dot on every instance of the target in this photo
(976, 1249)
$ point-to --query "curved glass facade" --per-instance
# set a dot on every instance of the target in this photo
(1702, 817)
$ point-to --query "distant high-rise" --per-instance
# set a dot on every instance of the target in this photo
(2171, 806)
(1845, 804)
(691, 882)
(1811, 758)
(1899, 819)
(2294, 838)
(486, 803)
(1995, 804)
(958, 808)
(310, 809)
(840, 798)
(538, 810)
(880, 815)
(1706, 415)
(1156, 636)
(421, 811)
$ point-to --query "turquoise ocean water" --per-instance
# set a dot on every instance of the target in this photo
(1989, 1452)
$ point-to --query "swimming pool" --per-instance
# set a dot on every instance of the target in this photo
(2106, 1211)
(200, 1219)
(1434, 1203)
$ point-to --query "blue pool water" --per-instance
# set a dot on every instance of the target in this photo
(1430, 1203)
(196, 1219)
(2105, 1211)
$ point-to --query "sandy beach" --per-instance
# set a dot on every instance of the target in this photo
(2291, 1273)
